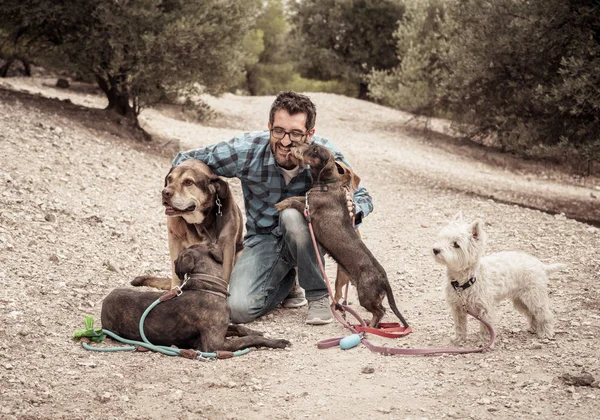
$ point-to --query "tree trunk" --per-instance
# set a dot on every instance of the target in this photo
(117, 95)
(363, 89)
(5, 67)
(119, 102)
(26, 66)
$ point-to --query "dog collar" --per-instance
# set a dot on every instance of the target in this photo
(322, 186)
(458, 286)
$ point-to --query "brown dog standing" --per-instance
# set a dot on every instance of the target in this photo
(334, 231)
(200, 209)
(351, 180)
(197, 319)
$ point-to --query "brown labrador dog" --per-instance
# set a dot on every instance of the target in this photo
(200, 209)
(334, 231)
(197, 319)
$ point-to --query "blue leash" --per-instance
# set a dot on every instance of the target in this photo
(169, 351)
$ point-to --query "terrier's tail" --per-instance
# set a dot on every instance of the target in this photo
(553, 268)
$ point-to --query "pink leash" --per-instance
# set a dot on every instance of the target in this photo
(386, 351)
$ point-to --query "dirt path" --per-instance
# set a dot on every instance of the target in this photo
(80, 215)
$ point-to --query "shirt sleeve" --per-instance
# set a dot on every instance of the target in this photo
(222, 158)
(362, 198)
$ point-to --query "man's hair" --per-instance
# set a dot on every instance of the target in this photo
(295, 103)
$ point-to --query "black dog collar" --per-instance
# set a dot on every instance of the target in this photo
(458, 286)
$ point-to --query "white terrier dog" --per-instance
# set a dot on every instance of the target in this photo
(477, 283)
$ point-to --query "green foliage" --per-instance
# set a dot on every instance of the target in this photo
(413, 84)
(522, 75)
(96, 336)
(269, 67)
(139, 52)
(345, 39)
(526, 72)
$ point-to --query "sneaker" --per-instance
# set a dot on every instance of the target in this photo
(319, 312)
(296, 298)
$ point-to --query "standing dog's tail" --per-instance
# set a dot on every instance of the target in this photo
(553, 268)
(392, 302)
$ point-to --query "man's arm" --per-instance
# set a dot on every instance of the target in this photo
(362, 198)
(221, 158)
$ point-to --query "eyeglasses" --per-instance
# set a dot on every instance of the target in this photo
(279, 134)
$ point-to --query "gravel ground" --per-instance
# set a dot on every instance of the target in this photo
(80, 214)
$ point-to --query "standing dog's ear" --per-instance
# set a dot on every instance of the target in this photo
(347, 175)
(216, 253)
(167, 177)
(185, 263)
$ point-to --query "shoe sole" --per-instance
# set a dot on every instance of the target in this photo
(294, 303)
(318, 321)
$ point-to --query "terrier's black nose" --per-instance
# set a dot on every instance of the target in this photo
(436, 251)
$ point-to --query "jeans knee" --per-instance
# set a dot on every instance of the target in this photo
(241, 309)
(293, 225)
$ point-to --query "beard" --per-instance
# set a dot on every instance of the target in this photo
(282, 157)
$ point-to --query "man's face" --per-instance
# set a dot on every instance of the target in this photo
(281, 147)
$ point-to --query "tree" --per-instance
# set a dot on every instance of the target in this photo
(420, 47)
(272, 67)
(527, 73)
(346, 39)
(139, 52)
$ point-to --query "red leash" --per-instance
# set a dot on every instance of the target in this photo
(390, 330)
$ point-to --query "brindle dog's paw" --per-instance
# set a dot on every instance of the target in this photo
(281, 343)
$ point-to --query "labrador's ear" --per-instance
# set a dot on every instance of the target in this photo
(185, 263)
(167, 176)
(216, 253)
(221, 187)
(347, 175)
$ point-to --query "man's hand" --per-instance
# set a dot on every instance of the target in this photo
(350, 204)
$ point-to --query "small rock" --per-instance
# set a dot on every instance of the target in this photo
(62, 83)
(54, 258)
(104, 398)
(50, 218)
(177, 395)
(368, 370)
(88, 364)
(582, 379)
(112, 267)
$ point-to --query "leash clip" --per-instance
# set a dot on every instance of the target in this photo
(186, 277)
(219, 205)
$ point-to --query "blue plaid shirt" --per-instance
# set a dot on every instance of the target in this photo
(249, 158)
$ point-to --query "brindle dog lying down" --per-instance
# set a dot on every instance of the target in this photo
(334, 231)
(197, 319)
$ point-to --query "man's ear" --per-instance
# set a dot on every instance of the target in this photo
(311, 132)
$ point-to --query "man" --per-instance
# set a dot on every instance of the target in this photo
(275, 243)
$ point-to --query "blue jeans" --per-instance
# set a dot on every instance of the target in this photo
(265, 272)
